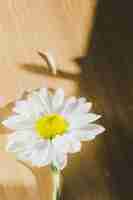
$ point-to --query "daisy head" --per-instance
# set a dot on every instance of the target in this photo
(46, 127)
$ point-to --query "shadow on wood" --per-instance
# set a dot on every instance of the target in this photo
(107, 79)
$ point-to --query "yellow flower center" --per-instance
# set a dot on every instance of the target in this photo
(51, 125)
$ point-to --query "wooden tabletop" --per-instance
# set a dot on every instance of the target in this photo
(92, 42)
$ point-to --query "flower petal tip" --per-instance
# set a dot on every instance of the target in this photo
(101, 129)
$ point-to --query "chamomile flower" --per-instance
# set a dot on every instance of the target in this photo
(47, 127)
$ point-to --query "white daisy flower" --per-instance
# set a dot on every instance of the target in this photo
(47, 127)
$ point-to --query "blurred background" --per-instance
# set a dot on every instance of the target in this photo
(92, 43)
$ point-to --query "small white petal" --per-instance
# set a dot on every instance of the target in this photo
(32, 107)
(58, 100)
(69, 106)
(37, 105)
(80, 121)
(93, 117)
(82, 108)
(41, 154)
(60, 144)
(23, 107)
(18, 122)
(45, 99)
(67, 144)
(85, 107)
(37, 151)
(60, 161)
(75, 146)
(20, 140)
(90, 132)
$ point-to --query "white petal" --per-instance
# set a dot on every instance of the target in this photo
(58, 99)
(67, 144)
(23, 107)
(82, 108)
(69, 106)
(31, 107)
(60, 161)
(74, 145)
(45, 99)
(80, 121)
(90, 132)
(18, 122)
(14, 146)
(86, 107)
(76, 107)
(37, 105)
(29, 148)
(41, 154)
(20, 140)
(60, 144)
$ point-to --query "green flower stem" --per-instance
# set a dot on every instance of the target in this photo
(56, 183)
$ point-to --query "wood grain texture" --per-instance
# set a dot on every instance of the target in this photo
(60, 27)
(63, 29)
(104, 168)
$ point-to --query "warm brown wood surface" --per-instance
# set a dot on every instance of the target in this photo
(103, 56)
(60, 27)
